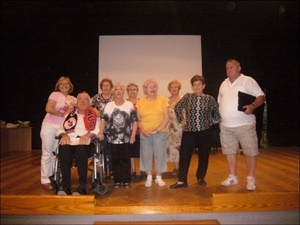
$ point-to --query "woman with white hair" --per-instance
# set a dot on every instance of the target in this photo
(153, 115)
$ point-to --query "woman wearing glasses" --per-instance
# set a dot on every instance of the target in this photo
(59, 104)
(153, 115)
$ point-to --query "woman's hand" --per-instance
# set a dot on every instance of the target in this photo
(68, 111)
(148, 133)
(101, 136)
(132, 139)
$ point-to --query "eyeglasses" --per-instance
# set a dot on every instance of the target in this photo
(83, 99)
(64, 84)
(151, 86)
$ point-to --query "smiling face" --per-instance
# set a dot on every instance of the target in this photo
(132, 92)
(151, 89)
(106, 88)
(118, 91)
(198, 84)
(83, 102)
(233, 70)
(198, 87)
(174, 89)
(64, 86)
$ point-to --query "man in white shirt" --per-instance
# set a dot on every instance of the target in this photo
(76, 134)
(239, 127)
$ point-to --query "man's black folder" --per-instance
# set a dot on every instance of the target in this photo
(244, 99)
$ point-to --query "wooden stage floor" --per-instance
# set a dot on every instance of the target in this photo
(277, 178)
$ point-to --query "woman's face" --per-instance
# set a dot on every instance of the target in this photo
(174, 89)
(64, 86)
(106, 88)
(119, 92)
(151, 89)
(198, 87)
(132, 91)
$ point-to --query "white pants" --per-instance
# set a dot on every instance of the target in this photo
(49, 144)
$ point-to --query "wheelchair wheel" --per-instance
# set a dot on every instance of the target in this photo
(101, 189)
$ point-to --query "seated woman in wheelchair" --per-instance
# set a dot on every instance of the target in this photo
(75, 141)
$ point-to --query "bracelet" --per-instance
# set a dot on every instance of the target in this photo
(253, 104)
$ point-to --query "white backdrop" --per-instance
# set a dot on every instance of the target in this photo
(136, 58)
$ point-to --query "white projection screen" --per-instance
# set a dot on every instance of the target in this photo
(136, 58)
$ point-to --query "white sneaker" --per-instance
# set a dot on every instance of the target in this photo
(231, 180)
(75, 193)
(61, 193)
(148, 183)
(160, 182)
(251, 183)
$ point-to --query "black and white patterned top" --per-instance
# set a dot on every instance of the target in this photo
(99, 102)
(119, 119)
(201, 112)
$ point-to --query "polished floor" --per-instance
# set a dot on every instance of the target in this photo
(277, 179)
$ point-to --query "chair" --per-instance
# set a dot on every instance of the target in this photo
(98, 170)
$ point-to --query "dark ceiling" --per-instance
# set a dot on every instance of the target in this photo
(145, 17)
(48, 33)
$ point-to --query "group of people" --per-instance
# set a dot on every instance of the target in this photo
(151, 128)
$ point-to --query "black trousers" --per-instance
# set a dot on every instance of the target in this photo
(121, 162)
(66, 155)
(202, 140)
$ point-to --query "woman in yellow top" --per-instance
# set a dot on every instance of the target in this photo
(153, 115)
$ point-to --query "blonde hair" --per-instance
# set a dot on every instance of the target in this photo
(60, 80)
(174, 82)
(146, 84)
(118, 84)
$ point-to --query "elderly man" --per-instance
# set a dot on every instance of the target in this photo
(76, 133)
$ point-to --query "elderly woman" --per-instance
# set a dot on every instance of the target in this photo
(119, 119)
(99, 101)
(153, 115)
(59, 104)
(201, 113)
(132, 92)
(174, 127)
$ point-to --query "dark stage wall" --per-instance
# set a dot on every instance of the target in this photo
(42, 40)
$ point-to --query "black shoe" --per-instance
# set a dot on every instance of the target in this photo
(176, 185)
(143, 175)
(133, 175)
(82, 191)
(201, 182)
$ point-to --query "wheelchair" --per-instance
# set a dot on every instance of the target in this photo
(98, 170)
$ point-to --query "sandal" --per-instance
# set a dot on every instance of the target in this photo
(47, 186)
